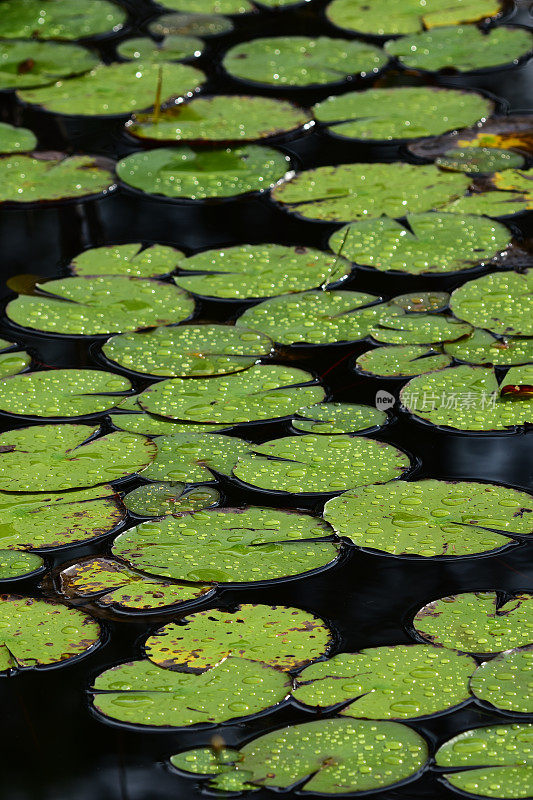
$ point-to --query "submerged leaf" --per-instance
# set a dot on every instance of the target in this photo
(33, 64)
(192, 457)
(506, 681)
(18, 565)
(331, 418)
(16, 140)
(500, 302)
(59, 19)
(130, 260)
(160, 499)
(483, 347)
(47, 177)
(397, 361)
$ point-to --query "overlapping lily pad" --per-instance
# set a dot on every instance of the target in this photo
(204, 760)
(139, 421)
(477, 622)
(479, 160)
(491, 203)
(229, 546)
(52, 177)
(431, 518)
(19, 565)
(396, 327)
(16, 140)
(286, 61)
(483, 347)
(331, 418)
(401, 361)
(131, 260)
(59, 19)
(203, 25)
(171, 48)
(33, 64)
(506, 681)
(198, 173)
(160, 499)
(500, 302)
(192, 457)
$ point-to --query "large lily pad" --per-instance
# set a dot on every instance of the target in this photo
(500, 302)
(52, 458)
(171, 48)
(506, 681)
(130, 260)
(40, 633)
(203, 25)
(229, 546)
(191, 457)
(431, 242)
(198, 174)
(319, 463)
(282, 637)
(261, 392)
(396, 682)
(59, 19)
(160, 499)
(331, 418)
(477, 622)
(483, 347)
(33, 64)
(355, 191)
(19, 565)
(431, 518)
(401, 361)
(16, 140)
(45, 176)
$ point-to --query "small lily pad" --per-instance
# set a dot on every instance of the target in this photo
(479, 160)
(191, 457)
(397, 682)
(209, 6)
(431, 518)
(331, 418)
(13, 362)
(16, 140)
(319, 463)
(401, 361)
(420, 302)
(33, 64)
(128, 260)
(203, 25)
(483, 347)
(282, 637)
(400, 328)
(229, 546)
(59, 19)
(477, 622)
(500, 302)
(19, 565)
(189, 351)
(160, 499)
(198, 173)
(515, 180)
(172, 48)
(506, 681)
(45, 177)
(204, 760)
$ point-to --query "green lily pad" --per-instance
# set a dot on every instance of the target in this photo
(506, 681)
(172, 48)
(209, 6)
(491, 204)
(108, 583)
(319, 463)
(515, 180)
(331, 418)
(483, 347)
(45, 177)
(400, 361)
(198, 174)
(355, 191)
(477, 622)
(261, 392)
(500, 302)
(151, 425)
(425, 243)
(229, 546)
(475, 160)
(13, 362)
(282, 637)
(116, 89)
(140, 693)
(406, 16)
(190, 457)
(227, 118)
(493, 761)
(204, 760)
(16, 140)
(461, 49)
(59, 19)
(41, 633)
(33, 64)
(99, 305)
(18, 565)
(405, 112)
(203, 25)
(420, 302)
(188, 351)
(160, 499)
(127, 260)
(397, 327)
(431, 518)
(249, 271)
(397, 682)
(52, 458)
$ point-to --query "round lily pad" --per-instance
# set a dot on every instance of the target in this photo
(16, 140)
(226, 118)
(41, 633)
(331, 418)
(506, 681)
(32, 64)
(401, 361)
(191, 457)
(47, 177)
(151, 425)
(59, 19)
(13, 362)
(483, 347)
(396, 682)
(420, 302)
(92, 306)
(52, 458)
(405, 112)
(172, 48)
(319, 463)
(141, 693)
(355, 191)
(160, 499)
(425, 243)
(500, 302)
(431, 518)
(261, 392)
(461, 49)
(19, 565)
(229, 546)
(476, 160)
(490, 762)
(116, 89)
(198, 174)
(250, 271)
(203, 25)
(204, 760)
(128, 260)
(209, 6)
(477, 622)
(397, 327)
(282, 637)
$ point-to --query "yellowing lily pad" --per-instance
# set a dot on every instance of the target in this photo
(128, 260)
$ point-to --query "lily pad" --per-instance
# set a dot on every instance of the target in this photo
(401, 361)
(140, 693)
(160, 499)
(191, 457)
(331, 418)
(229, 546)
(16, 140)
(479, 160)
(33, 64)
(12, 362)
(461, 49)
(189, 351)
(40, 633)
(198, 174)
(515, 180)
(128, 260)
(286, 61)
(92, 306)
(490, 762)
(209, 6)
(226, 118)
(424, 243)
(431, 518)
(261, 392)
(59, 19)
(500, 302)
(491, 204)
(355, 191)
(249, 271)
(319, 463)
(483, 347)
(400, 328)
(282, 637)
(420, 302)
(506, 681)
(172, 48)
(396, 682)
(204, 760)
(477, 622)
(45, 177)
(203, 25)
(151, 425)
(52, 458)
(405, 112)
(19, 565)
